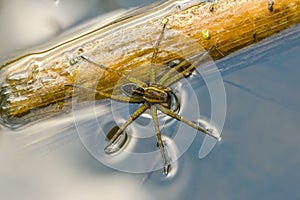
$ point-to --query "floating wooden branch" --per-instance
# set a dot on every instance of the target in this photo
(38, 84)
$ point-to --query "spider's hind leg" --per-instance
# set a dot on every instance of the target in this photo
(165, 159)
(110, 148)
(209, 132)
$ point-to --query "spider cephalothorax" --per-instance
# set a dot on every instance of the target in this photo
(157, 94)
(152, 94)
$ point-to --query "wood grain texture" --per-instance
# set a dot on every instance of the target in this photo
(37, 84)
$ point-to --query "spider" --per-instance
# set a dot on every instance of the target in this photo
(154, 95)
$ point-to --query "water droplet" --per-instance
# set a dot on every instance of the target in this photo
(56, 2)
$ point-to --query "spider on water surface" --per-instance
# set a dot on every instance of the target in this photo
(154, 95)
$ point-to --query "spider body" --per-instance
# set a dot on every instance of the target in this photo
(151, 94)
(157, 94)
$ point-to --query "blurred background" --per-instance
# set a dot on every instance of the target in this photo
(258, 157)
(31, 22)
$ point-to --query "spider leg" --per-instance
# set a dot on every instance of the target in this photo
(125, 99)
(118, 98)
(171, 71)
(198, 59)
(154, 56)
(191, 124)
(159, 141)
(135, 115)
(131, 79)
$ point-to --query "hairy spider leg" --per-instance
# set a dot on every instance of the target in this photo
(168, 74)
(180, 118)
(119, 98)
(131, 79)
(167, 82)
(155, 51)
(135, 115)
(159, 140)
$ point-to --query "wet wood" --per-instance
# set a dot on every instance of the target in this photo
(37, 84)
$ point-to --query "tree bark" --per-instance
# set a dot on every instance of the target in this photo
(40, 84)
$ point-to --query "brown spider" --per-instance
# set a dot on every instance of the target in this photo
(155, 96)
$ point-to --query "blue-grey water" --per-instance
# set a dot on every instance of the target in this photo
(258, 157)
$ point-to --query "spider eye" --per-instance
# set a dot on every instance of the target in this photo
(132, 90)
